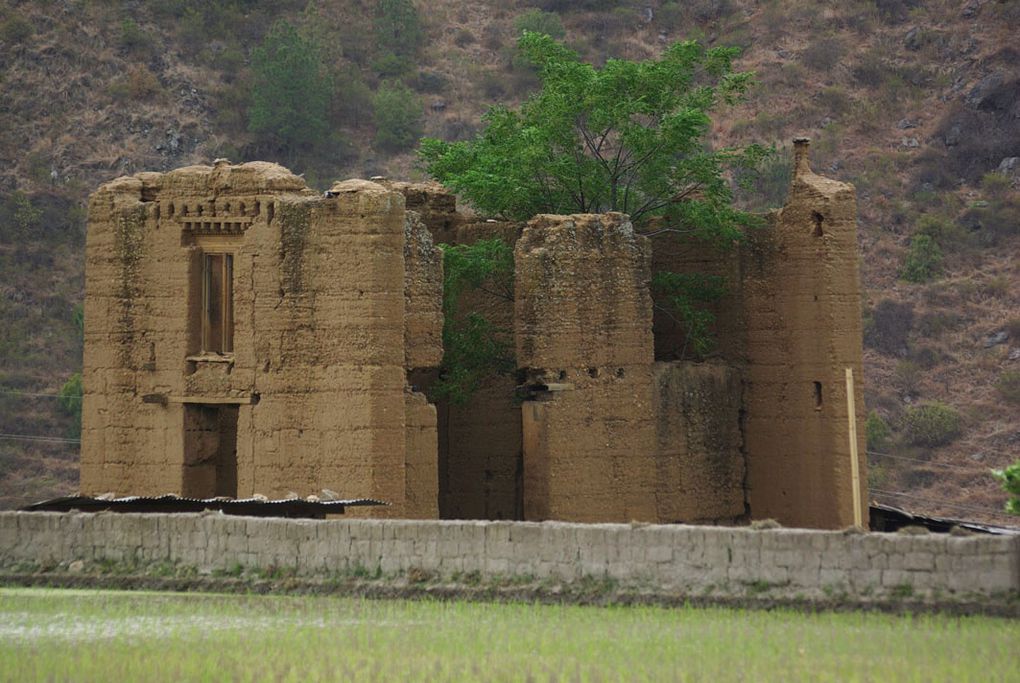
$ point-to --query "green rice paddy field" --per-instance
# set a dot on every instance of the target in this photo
(53, 635)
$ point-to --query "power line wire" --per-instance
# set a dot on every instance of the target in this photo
(927, 462)
(35, 394)
(36, 437)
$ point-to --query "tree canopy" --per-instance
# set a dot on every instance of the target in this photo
(291, 90)
(628, 137)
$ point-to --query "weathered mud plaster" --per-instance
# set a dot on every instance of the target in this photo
(311, 392)
(337, 326)
(801, 296)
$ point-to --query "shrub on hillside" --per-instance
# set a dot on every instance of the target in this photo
(134, 40)
(878, 431)
(924, 260)
(889, 325)
(15, 29)
(932, 424)
(823, 54)
(398, 113)
(137, 84)
(1008, 386)
(538, 21)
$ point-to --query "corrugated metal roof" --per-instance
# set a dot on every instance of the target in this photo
(254, 507)
(889, 518)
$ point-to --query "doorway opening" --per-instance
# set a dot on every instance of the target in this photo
(210, 451)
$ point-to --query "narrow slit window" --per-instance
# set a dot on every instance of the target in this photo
(218, 303)
(818, 395)
(818, 219)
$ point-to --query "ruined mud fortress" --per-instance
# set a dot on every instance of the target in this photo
(245, 334)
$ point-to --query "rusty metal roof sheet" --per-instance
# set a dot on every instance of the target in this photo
(890, 518)
(253, 507)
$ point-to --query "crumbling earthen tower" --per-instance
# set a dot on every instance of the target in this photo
(246, 335)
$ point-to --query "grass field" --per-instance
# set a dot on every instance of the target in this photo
(120, 636)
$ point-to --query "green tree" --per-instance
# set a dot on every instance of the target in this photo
(1009, 477)
(398, 28)
(628, 137)
(398, 113)
(538, 21)
(291, 91)
(473, 347)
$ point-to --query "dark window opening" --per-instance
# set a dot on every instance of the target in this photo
(818, 395)
(218, 303)
(819, 219)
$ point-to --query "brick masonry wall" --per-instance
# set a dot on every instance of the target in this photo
(700, 561)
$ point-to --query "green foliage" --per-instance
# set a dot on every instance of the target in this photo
(15, 29)
(70, 401)
(398, 114)
(628, 137)
(932, 424)
(924, 260)
(291, 90)
(135, 40)
(473, 348)
(27, 217)
(878, 431)
(1008, 386)
(1009, 477)
(944, 231)
(995, 185)
(686, 297)
(537, 21)
(398, 29)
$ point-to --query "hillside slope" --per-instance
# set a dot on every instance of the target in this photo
(918, 104)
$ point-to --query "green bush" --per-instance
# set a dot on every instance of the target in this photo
(540, 22)
(941, 229)
(1008, 386)
(135, 40)
(932, 424)
(398, 113)
(878, 431)
(15, 29)
(1009, 477)
(924, 260)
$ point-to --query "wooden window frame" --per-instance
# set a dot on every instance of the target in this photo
(224, 346)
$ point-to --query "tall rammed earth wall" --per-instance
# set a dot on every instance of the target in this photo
(313, 394)
(337, 333)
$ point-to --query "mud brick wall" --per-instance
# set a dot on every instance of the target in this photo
(802, 306)
(695, 560)
(699, 456)
(583, 319)
(314, 389)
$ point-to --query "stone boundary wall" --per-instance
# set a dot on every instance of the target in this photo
(679, 560)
